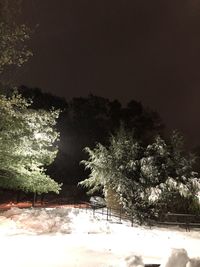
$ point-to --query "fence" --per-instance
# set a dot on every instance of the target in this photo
(187, 221)
(109, 214)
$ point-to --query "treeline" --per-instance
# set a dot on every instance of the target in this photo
(86, 121)
(127, 157)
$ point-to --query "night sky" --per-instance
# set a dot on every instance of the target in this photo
(147, 50)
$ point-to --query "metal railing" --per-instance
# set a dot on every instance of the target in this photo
(187, 221)
(110, 214)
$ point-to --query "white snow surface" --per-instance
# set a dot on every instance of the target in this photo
(71, 237)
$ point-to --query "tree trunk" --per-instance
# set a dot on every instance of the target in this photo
(34, 199)
(112, 200)
(42, 199)
(18, 196)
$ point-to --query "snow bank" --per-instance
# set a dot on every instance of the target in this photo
(193, 263)
(176, 258)
(179, 258)
(52, 220)
(133, 261)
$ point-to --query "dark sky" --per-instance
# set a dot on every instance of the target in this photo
(147, 50)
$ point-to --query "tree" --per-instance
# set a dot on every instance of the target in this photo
(142, 179)
(145, 122)
(27, 140)
(43, 100)
(116, 170)
(181, 183)
(27, 136)
(13, 37)
(61, 167)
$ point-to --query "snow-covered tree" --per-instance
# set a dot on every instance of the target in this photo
(178, 184)
(27, 137)
(116, 171)
(142, 180)
(27, 140)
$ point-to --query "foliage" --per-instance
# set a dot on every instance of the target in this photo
(27, 136)
(98, 116)
(43, 100)
(144, 179)
(13, 37)
(116, 169)
(175, 183)
(26, 146)
(86, 121)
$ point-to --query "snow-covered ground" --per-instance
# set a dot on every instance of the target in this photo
(69, 237)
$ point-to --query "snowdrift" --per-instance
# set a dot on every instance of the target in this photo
(74, 237)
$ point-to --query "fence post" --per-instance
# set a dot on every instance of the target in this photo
(107, 213)
(93, 211)
(132, 220)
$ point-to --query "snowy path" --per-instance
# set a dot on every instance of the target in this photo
(73, 238)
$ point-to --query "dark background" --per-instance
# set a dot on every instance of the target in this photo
(129, 49)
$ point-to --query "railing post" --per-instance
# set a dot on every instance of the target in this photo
(93, 211)
(132, 220)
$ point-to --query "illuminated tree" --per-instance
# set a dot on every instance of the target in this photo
(27, 136)
(27, 140)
